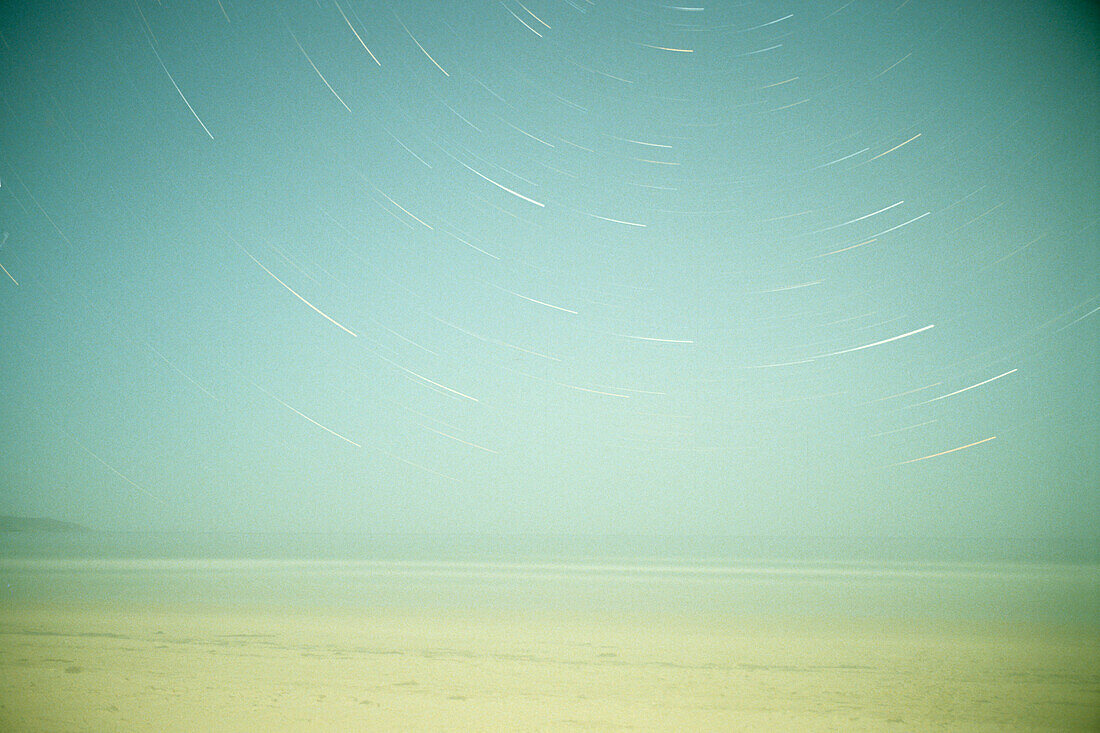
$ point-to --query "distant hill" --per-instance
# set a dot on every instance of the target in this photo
(38, 524)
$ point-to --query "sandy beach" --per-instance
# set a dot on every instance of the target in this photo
(165, 669)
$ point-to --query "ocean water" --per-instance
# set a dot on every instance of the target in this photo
(1014, 581)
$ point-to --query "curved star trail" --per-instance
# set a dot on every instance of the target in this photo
(821, 245)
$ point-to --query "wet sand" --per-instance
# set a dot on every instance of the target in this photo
(170, 669)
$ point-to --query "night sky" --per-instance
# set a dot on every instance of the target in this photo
(788, 268)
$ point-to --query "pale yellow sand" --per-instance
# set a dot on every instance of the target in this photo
(67, 670)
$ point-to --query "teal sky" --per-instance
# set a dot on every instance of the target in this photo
(560, 265)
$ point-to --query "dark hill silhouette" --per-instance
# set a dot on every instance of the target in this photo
(38, 524)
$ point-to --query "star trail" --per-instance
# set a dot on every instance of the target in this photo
(764, 267)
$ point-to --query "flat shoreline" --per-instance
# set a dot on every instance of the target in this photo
(145, 668)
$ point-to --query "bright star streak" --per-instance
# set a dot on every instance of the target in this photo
(944, 453)
(966, 389)
(877, 343)
(296, 295)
